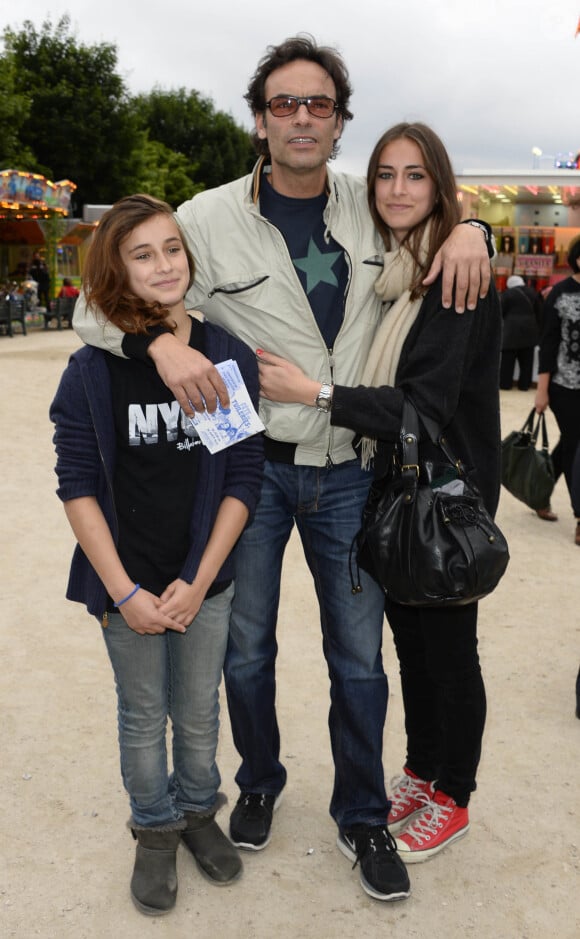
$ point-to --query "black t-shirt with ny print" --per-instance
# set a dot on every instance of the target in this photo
(155, 471)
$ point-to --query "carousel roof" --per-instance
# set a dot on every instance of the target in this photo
(24, 231)
(32, 196)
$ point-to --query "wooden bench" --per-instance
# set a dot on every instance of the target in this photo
(12, 311)
(62, 309)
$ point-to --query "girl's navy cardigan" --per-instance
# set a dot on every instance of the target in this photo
(84, 439)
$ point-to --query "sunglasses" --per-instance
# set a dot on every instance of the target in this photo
(286, 105)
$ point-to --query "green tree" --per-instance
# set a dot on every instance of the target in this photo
(165, 174)
(80, 123)
(14, 111)
(189, 124)
(65, 112)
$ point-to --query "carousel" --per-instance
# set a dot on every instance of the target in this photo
(35, 224)
(41, 249)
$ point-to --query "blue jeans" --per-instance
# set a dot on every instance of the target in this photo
(175, 675)
(326, 505)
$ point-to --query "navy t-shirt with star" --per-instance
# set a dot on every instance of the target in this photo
(318, 259)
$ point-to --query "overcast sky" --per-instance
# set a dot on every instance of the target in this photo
(493, 77)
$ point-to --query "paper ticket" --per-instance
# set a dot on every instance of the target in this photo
(227, 426)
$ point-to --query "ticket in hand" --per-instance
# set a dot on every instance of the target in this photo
(227, 426)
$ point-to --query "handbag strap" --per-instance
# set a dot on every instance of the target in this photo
(534, 431)
(410, 438)
(529, 422)
(542, 422)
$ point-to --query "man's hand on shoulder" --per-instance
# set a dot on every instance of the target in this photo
(193, 379)
(465, 262)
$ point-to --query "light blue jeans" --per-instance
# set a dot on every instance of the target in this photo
(177, 676)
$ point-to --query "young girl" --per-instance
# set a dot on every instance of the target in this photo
(156, 518)
(449, 366)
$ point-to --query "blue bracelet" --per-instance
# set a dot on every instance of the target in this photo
(128, 597)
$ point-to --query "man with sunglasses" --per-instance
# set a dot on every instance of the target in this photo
(286, 260)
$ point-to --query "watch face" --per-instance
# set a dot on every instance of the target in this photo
(324, 398)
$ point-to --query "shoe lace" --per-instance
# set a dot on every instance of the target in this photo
(377, 840)
(404, 789)
(253, 803)
(431, 818)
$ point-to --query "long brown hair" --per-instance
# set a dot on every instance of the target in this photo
(105, 276)
(446, 212)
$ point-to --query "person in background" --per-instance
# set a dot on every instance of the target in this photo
(448, 366)
(38, 271)
(68, 289)
(559, 373)
(521, 311)
(286, 259)
(156, 518)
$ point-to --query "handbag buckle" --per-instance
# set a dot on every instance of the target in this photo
(410, 466)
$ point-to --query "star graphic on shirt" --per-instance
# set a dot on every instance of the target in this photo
(317, 267)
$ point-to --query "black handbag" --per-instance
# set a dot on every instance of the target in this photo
(426, 536)
(526, 471)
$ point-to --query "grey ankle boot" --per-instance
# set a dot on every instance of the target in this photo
(154, 881)
(215, 855)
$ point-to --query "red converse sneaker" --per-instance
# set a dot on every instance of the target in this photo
(440, 823)
(409, 796)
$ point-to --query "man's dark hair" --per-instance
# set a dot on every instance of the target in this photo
(293, 49)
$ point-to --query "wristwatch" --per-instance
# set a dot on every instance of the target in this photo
(487, 232)
(323, 400)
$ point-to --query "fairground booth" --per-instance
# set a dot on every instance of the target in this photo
(34, 220)
(535, 216)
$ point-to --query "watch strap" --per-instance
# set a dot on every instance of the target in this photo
(323, 399)
(487, 231)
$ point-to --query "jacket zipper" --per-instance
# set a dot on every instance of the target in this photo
(231, 293)
(329, 460)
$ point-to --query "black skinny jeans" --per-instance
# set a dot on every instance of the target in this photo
(443, 693)
(565, 403)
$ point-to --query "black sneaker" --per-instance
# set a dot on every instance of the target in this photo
(251, 820)
(382, 872)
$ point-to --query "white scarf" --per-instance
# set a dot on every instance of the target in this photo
(383, 359)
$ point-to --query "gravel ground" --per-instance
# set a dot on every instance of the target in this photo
(65, 851)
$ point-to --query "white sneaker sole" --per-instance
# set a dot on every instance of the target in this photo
(349, 853)
(248, 845)
(423, 854)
